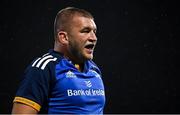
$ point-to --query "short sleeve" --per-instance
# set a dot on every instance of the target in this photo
(34, 88)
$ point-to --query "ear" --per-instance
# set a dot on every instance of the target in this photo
(62, 37)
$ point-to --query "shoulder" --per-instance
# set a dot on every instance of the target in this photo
(49, 59)
(43, 65)
(43, 61)
(41, 69)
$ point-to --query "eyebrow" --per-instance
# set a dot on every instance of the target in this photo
(89, 28)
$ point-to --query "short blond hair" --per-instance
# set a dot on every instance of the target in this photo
(63, 17)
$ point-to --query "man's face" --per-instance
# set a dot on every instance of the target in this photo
(82, 38)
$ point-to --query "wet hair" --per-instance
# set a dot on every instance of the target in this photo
(64, 16)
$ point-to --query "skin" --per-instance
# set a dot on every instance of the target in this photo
(20, 108)
(72, 44)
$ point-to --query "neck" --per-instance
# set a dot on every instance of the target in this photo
(77, 62)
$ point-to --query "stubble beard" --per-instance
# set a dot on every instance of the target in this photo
(76, 54)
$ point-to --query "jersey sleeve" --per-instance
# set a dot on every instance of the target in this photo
(34, 88)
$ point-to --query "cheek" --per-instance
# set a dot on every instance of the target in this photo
(78, 41)
(80, 45)
(76, 45)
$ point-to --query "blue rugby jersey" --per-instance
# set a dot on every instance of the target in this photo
(52, 83)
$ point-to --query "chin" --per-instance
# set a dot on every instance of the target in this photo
(89, 57)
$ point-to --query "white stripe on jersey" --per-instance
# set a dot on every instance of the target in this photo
(46, 62)
(45, 54)
(35, 62)
(42, 59)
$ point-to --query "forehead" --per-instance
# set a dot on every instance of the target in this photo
(82, 22)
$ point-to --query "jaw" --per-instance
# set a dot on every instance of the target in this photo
(88, 50)
(80, 55)
(88, 54)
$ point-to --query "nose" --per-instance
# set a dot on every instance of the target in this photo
(92, 37)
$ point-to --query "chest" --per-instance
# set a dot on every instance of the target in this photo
(73, 87)
(79, 84)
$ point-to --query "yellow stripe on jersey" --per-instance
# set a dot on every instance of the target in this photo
(27, 102)
(78, 67)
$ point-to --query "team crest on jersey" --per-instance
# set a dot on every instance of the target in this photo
(88, 83)
(70, 74)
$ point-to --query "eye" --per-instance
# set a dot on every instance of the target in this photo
(85, 31)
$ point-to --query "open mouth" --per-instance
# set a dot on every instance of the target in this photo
(89, 46)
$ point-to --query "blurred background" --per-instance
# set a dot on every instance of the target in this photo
(137, 49)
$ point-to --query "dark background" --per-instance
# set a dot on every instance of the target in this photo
(137, 49)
